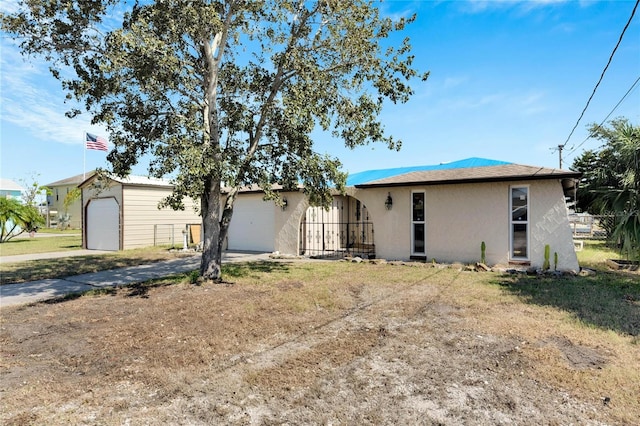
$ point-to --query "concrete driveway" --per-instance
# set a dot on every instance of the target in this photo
(35, 291)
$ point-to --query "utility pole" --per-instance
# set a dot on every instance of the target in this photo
(560, 148)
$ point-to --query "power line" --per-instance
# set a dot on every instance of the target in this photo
(574, 148)
(633, 12)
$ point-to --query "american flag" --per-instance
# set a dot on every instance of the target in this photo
(96, 142)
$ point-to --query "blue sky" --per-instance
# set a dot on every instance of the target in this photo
(509, 80)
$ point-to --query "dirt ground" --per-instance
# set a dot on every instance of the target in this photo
(298, 344)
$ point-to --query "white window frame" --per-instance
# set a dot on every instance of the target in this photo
(519, 222)
(414, 222)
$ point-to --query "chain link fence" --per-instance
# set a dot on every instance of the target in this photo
(163, 235)
(586, 226)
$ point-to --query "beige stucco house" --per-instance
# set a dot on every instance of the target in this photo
(442, 212)
(123, 213)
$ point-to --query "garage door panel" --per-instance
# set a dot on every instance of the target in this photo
(103, 224)
(252, 225)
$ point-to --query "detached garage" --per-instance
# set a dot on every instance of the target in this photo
(106, 213)
(120, 214)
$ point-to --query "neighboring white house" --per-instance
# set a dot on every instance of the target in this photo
(119, 214)
(441, 212)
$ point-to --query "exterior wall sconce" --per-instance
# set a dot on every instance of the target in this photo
(285, 204)
(388, 203)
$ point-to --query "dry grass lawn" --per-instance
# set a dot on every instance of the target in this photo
(327, 343)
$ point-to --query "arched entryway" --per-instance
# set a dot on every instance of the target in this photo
(346, 229)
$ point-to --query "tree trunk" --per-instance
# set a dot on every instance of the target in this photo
(216, 226)
(211, 264)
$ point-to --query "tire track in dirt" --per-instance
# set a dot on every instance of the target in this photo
(248, 388)
(270, 356)
(401, 349)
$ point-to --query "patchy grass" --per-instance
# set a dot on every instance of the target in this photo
(610, 301)
(28, 245)
(328, 342)
(59, 231)
(595, 254)
(68, 266)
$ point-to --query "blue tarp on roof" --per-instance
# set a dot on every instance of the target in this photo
(373, 175)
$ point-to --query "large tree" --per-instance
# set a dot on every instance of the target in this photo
(225, 92)
(611, 179)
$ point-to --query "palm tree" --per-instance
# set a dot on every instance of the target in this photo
(623, 197)
(16, 218)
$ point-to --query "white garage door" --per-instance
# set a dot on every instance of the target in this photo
(252, 225)
(103, 224)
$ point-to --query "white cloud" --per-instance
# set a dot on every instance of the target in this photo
(479, 6)
(9, 6)
(395, 13)
(34, 100)
(511, 103)
(451, 82)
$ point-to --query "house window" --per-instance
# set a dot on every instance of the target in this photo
(417, 224)
(519, 222)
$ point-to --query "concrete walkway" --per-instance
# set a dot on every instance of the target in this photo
(35, 291)
(50, 255)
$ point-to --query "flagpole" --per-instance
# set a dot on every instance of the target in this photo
(84, 156)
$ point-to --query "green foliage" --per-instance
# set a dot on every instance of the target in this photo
(32, 190)
(193, 277)
(16, 218)
(547, 251)
(555, 260)
(225, 91)
(71, 197)
(483, 250)
(64, 221)
(611, 181)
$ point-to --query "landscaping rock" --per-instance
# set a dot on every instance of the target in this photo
(482, 267)
(586, 272)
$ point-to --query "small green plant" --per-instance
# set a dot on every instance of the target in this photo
(483, 250)
(547, 251)
(555, 260)
(100, 292)
(64, 221)
(193, 277)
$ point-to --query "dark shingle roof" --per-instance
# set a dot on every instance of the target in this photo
(463, 171)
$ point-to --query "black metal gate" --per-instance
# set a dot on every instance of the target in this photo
(344, 230)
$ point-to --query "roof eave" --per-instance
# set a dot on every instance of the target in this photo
(563, 175)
